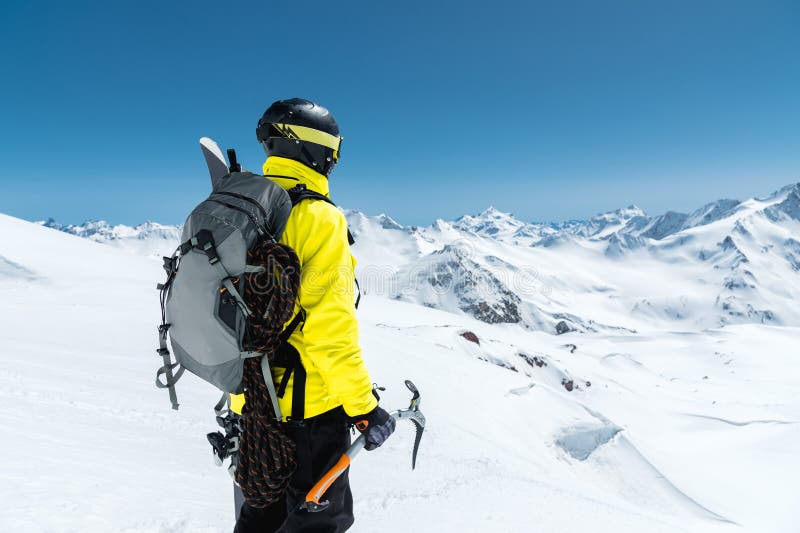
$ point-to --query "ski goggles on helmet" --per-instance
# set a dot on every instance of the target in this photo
(301, 133)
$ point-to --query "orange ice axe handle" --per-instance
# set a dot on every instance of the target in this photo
(313, 503)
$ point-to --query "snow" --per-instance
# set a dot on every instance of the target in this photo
(682, 416)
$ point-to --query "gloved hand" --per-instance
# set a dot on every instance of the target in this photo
(376, 426)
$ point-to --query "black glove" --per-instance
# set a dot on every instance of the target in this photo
(376, 426)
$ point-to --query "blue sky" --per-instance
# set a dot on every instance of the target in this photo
(549, 110)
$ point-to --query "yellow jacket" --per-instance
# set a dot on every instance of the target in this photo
(327, 340)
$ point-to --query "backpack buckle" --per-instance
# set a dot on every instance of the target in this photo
(170, 265)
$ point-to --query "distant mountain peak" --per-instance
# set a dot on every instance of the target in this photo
(788, 208)
(492, 211)
(388, 222)
(50, 223)
(490, 222)
(784, 191)
(632, 210)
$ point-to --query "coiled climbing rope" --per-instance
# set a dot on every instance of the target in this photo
(267, 458)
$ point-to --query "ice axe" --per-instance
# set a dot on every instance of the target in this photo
(313, 503)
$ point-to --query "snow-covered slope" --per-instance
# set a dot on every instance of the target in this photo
(527, 431)
(664, 429)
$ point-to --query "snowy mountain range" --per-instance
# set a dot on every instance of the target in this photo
(726, 262)
(150, 238)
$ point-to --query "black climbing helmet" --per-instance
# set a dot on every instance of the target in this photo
(301, 130)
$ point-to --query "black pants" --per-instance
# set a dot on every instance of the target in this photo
(320, 440)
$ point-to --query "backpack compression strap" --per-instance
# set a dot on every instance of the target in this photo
(170, 379)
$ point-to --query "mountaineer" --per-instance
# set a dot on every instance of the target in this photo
(323, 385)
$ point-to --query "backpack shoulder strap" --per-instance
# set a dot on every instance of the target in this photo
(300, 192)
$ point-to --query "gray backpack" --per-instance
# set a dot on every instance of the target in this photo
(203, 311)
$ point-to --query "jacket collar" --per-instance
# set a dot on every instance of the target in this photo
(289, 173)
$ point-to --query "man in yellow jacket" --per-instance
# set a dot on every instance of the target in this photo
(330, 389)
